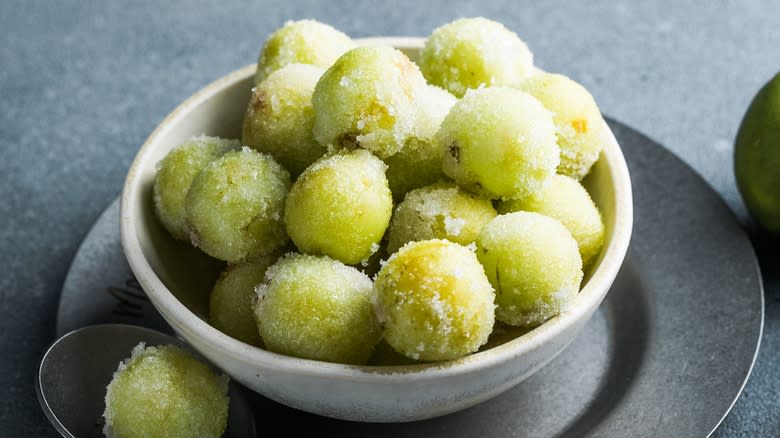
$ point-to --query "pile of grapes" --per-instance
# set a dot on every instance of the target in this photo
(360, 209)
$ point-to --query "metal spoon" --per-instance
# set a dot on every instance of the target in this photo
(74, 373)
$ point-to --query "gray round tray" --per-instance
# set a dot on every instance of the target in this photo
(667, 353)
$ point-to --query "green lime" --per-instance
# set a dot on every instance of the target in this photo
(757, 157)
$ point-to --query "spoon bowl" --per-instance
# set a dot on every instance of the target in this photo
(75, 370)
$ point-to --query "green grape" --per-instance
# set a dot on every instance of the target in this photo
(231, 301)
(368, 99)
(419, 163)
(499, 142)
(175, 174)
(534, 264)
(439, 211)
(301, 42)
(565, 199)
(473, 52)
(434, 301)
(317, 308)
(165, 392)
(235, 206)
(279, 117)
(340, 206)
(577, 119)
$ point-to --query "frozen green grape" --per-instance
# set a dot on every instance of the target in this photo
(317, 308)
(577, 119)
(534, 264)
(565, 199)
(499, 142)
(301, 42)
(165, 392)
(472, 52)
(235, 206)
(439, 211)
(279, 118)
(340, 206)
(368, 99)
(230, 305)
(175, 174)
(418, 164)
(434, 301)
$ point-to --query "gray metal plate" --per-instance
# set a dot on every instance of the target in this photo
(667, 353)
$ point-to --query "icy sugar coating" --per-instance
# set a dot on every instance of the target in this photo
(235, 206)
(368, 99)
(577, 119)
(439, 211)
(473, 52)
(534, 264)
(165, 392)
(174, 176)
(565, 199)
(301, 42)
(340, 206)
(280, 117)
(498, 142)
(231, 301)
(317, 308)
(418, 164)
(434, 301)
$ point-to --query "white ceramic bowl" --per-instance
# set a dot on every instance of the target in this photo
(177, 280)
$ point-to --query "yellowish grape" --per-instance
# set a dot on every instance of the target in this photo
(534, 264)
(301, 42)
(340, 206)
(164, 392)
(235, 206)
(317, 308)
(279, 117)
(473, 52)
(368, 99)
(434, 301)
(499, 142)
(232, 298)
(439, 211)
(578, 122)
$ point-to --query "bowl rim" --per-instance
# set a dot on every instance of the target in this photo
(192, 326)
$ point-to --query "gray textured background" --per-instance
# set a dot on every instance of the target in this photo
(83, 83)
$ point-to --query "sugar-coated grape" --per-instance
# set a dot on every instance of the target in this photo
(434, 301)
(534, 264)
(175, 174)
(301, 42)
(165, 392)
(340, 206)
(279, 117)
(471, 52)
(231, 301)
(419, 162)
(439, 211)
(499, 142)
(577, 119)
(317, 308)
(565, 199)
(235, 206)
(367, 99)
